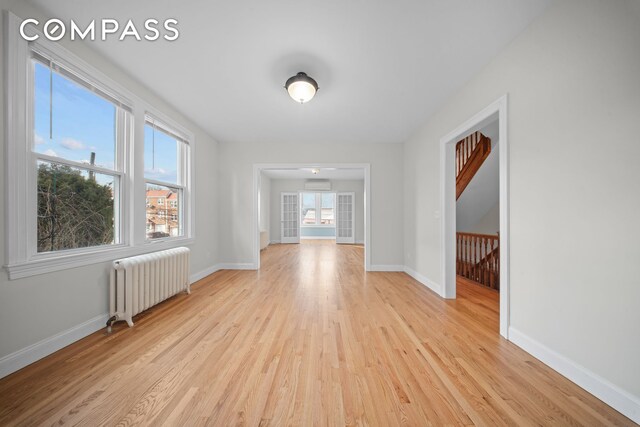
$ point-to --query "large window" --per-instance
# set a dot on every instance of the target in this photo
(317, 209)
(165, 159)
(75, 145)
(74, 142)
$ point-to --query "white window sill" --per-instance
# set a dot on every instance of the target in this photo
(52, 262)
(318, 226)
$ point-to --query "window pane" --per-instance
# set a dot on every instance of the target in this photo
(75, 208)
(84, 124)
(160, 155)
(327, 210)
(163, 212)
(308, 208)
(328, 200)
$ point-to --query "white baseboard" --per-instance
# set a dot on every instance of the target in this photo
(382, 267)
(435, 287)
(317, 237)
(276, 242)
(609, 393)
(26, 356)
(236, 266)
(203, 273)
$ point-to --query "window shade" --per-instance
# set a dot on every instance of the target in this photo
(157, 124)
(51, 63)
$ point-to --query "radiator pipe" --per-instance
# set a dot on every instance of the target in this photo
(110, 323)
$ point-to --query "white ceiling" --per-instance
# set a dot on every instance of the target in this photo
(305, 173)
(382, 66)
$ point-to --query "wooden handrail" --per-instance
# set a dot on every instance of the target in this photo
(478, 258)
(464, 148)
(471, 152)
(486, 236)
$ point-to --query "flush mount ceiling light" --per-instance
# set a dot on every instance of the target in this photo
(301, 87)
(315, 171)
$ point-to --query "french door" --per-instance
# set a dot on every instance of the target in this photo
(289, 218)
(345, 218)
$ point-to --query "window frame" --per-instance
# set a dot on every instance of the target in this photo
(318, 208)
(184, 185)
(21, 256)
(123, 121)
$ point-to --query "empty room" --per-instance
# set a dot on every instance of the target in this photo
(335, 213)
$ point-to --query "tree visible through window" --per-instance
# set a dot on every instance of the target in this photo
(74, 141)
(74, 210)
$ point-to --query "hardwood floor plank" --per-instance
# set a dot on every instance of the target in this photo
(310, 339)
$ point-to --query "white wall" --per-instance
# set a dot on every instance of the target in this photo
(38, 307)
(573, 81)
(236, 175)
(280, 185)
(488, 224)
(265, 204)
(481, 194)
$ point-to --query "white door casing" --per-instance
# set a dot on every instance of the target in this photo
(289, 218)
(345, 217)
(495, 111)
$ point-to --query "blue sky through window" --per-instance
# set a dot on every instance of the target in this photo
(83, 122)
(328, 200)
(160, 156)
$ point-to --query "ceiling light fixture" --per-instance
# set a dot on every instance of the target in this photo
(315, 171)
(301, 87)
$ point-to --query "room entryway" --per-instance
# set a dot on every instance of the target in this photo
(300, 203)
(478, 207)
(474, 175)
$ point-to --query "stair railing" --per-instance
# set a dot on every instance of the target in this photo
(471, 152)
(478, 258)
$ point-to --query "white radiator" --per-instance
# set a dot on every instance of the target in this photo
(143, 281)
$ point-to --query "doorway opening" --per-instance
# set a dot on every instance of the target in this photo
(479, 256)
(311, 203)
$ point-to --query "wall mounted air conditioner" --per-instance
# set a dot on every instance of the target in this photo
(317, 185)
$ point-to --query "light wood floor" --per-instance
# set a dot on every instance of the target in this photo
(310, 339)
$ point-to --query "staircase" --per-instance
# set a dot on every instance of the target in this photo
(478, 258)
(471, 152)
(477, 255)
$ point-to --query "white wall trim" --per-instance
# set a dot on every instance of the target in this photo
(221, 266)
(424, 280)
(382, 267)
(317, 237)
(90, 256)
(203, 273)
(237, 266)
(496, 110)
(609, 393)
(28, 355)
